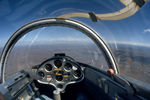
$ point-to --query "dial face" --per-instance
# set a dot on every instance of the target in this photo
(68, 66)
(49, 77)
(60, 72)
(48, 67)
(58, 63)
(41, 74)
(59, 77)
(77, 73)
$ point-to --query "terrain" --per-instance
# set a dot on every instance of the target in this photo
(133, 60)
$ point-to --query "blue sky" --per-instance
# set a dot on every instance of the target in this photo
(134, 30)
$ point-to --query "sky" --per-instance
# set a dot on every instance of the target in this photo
(134, 30)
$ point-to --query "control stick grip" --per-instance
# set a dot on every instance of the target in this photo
(56, 94)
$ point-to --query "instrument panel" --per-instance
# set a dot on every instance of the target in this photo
(60, 71)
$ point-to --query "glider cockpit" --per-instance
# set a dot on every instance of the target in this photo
(70, 75)
(62, 77)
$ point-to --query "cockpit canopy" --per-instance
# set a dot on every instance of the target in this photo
(41, 44)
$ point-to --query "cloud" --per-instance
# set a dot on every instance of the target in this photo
(147, 30)
(55, 40)
(129, 43)
(70, 39)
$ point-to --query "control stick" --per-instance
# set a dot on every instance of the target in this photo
(56, 94)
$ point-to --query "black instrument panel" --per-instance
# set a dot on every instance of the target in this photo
(59, 72)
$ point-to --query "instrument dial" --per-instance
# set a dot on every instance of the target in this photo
(77, 73)
(41, 74)
(59, 77)
(68, 66)
(58, 63)
(48, 67)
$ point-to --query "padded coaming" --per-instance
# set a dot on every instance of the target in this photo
(104, 83)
